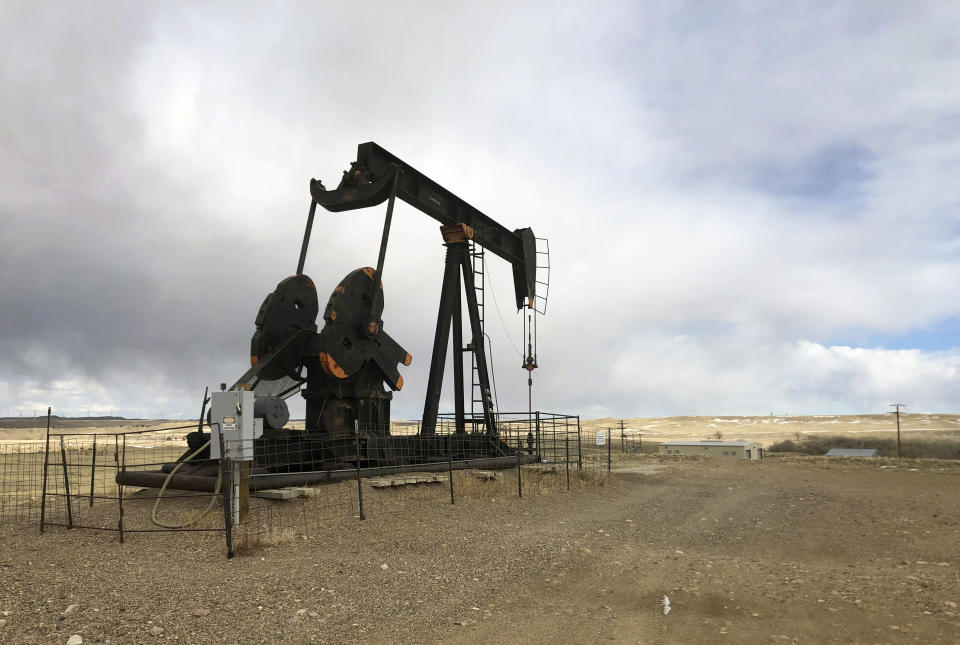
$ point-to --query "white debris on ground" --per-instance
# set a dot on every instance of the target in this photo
(666, 605)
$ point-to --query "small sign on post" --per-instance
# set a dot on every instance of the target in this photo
(601, 438)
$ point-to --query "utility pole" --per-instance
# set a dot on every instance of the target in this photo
(897, 412)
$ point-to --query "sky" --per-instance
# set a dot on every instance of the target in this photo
(751, 207)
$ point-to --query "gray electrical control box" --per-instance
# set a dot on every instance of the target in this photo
(232, 413)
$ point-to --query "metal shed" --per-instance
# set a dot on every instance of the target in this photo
(860, 453)
(707, 448)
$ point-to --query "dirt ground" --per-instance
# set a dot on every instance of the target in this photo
(793, 550)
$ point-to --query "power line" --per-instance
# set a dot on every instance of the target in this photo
(496, 306)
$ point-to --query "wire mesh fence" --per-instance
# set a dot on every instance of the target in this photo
(292, 482)
(21, 476)
(82, 484)
(375, 470)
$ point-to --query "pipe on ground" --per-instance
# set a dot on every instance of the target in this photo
(204, 484)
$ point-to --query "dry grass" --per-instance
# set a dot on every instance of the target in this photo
(930, 446)
(249, 546)
(770, 429)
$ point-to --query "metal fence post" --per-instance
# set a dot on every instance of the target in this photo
(579, 446)
(609, 461)
(553, 428)
(226, 476)
(566, 447)
(93, 468)
(43, 486)
(66, 483)
(226, 488)
(519, 481)
(539, 447)
(120, 468)
(450, 465)
(356, 432)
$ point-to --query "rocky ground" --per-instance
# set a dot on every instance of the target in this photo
(791, 550)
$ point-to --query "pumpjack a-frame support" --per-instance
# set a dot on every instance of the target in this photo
(457, 273)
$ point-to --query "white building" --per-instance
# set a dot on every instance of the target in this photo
(707, 448)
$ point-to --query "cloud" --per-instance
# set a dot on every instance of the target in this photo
(704, 375)
(731, 193)
(833, 173)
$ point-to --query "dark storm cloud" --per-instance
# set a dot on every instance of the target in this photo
(155, 159)
(93, 237)
(136, 258)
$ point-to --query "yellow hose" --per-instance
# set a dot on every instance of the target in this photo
(213, 498)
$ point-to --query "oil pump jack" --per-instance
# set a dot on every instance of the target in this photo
(377, 176)
(350, 360)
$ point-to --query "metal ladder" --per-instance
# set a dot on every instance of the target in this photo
(477, 259)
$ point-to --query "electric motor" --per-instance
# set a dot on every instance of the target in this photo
(273, 410)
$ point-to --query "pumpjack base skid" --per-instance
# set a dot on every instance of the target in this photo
(295, 451)
(298, 459)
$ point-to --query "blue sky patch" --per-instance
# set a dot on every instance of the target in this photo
(836, 172)
(940, 336)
